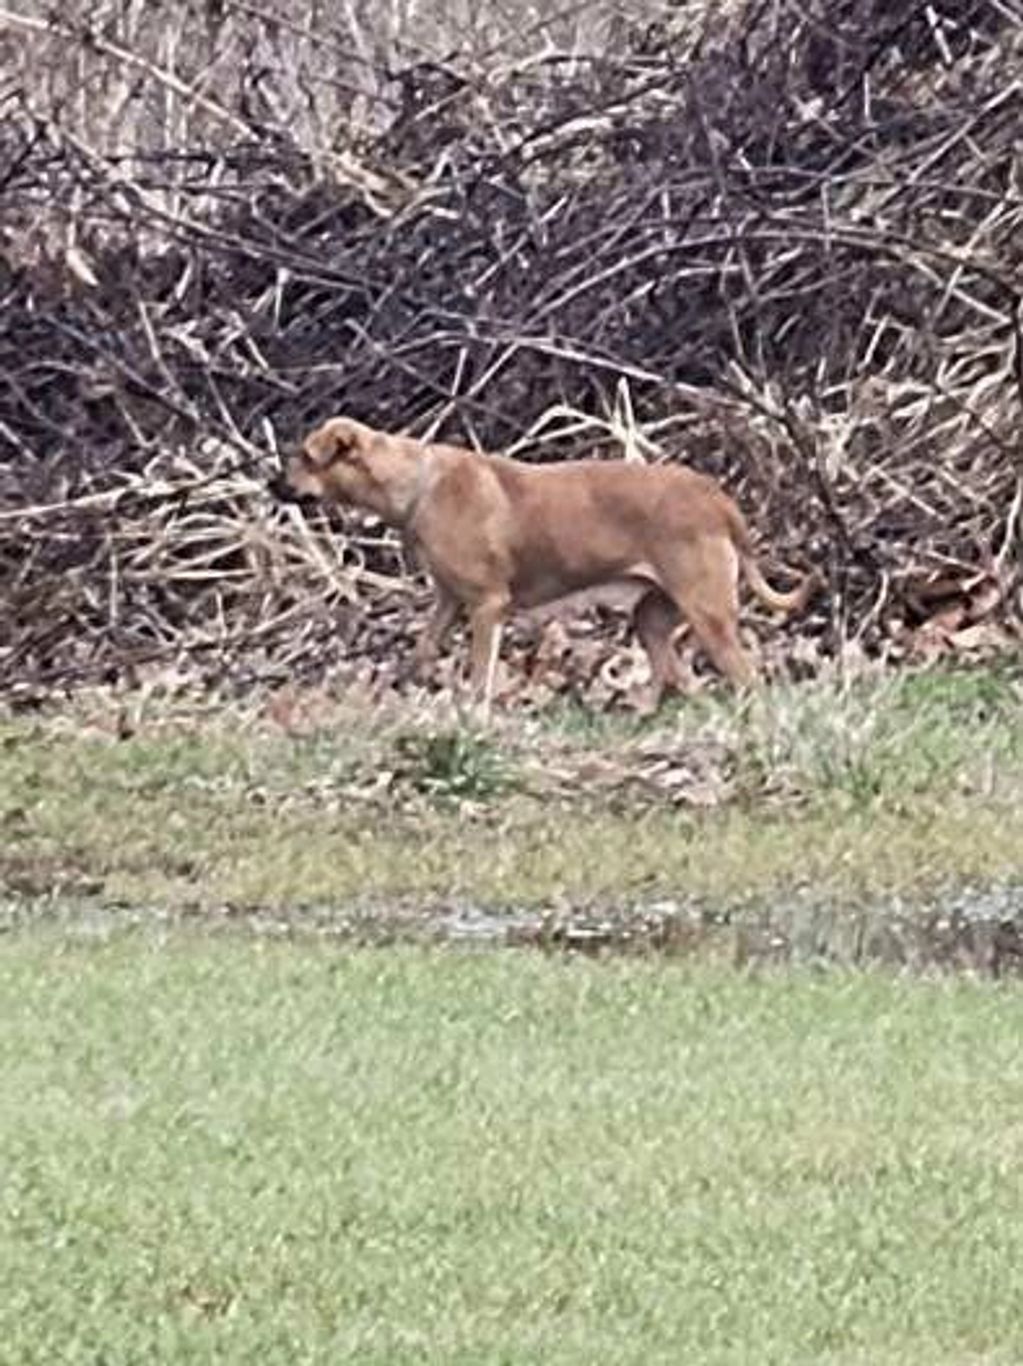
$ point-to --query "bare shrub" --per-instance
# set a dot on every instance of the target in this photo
(785, 242)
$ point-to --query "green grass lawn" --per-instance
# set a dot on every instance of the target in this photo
(231, 1150)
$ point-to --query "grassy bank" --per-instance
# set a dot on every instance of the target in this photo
(220, 1150)
(895, 785)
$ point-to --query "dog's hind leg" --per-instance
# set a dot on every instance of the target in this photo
(703, 581)
(719, 636)
(656, 621)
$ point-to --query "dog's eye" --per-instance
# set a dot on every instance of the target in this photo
(347, 451)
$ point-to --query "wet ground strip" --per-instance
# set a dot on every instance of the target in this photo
(977, 930)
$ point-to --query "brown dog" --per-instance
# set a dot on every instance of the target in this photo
(497, 534)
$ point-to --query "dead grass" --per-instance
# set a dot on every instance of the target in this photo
(889, 786)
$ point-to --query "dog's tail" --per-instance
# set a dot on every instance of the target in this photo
(793, 601)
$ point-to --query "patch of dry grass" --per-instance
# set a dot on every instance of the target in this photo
(891, 786)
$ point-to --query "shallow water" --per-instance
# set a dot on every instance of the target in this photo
(977, 930)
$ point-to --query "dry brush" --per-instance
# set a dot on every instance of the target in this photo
(782, 241)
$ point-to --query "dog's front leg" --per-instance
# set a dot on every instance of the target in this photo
(442, 618)
(487, 621)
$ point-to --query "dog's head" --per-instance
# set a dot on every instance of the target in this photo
(335, 462)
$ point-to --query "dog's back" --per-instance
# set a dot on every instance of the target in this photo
(644, 500)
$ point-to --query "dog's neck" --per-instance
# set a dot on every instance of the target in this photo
(405, 514)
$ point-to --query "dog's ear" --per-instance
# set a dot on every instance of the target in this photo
(317, 449)
(337, 441)
(352, 446)
(326, 445)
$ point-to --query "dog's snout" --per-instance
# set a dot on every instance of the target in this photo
(282, 489)
(279, 489)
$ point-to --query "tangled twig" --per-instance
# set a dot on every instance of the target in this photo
(821, 203)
